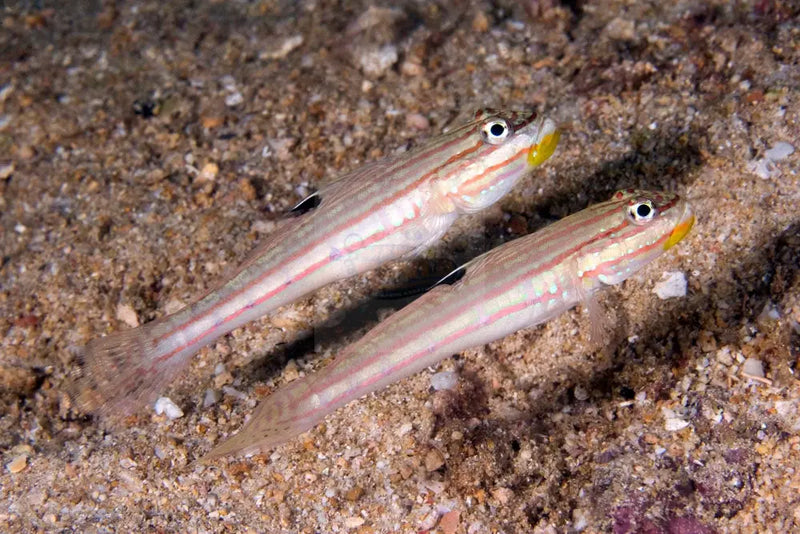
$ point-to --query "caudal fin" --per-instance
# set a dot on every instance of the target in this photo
(280, 417)
(121, 372)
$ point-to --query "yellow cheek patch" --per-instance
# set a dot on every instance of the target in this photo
(679, 232)
(539, 153)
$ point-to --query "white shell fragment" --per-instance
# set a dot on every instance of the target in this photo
(376, 61)
(672, 284)
(752, 368)
(233, 392)
(234, 99)
(210, 398)
(444, 380)
(164, 405)
(282, 49)
(781, 150)
(672, 422)
(765, 167)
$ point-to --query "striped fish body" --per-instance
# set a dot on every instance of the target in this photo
(383, 211)
(520, 284)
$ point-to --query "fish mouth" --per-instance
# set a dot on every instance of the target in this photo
(681, 229)
(546, 143)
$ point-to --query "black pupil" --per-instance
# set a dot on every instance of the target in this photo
(497, 129)
(643, 210)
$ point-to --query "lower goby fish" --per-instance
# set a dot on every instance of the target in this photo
(382, 211)
(517, 285)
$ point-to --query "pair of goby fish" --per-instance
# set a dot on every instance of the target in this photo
(390, 209)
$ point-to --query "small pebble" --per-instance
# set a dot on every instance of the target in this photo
(291, 371)
(283, 49)
(449, 522)
(127, 315)
(164, 405)
(434, 460)
(724, 356)
(208, 172)
(417, 121)
(436, 486)
(6, 170)
(223, 379)
(228, 82)
(412, 68)
(282, 147)
(620, 29)
(503, 495)
(353, 522)
(159, 452)
(234, 99)
(480, 23)
(17, 464)
(673, 284)
(354, 493)
(127, 463)
(211, 121)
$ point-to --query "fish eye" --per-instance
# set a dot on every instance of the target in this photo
(496, 131)
(642, 212)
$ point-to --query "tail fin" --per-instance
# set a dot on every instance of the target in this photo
(121, 372)
(280, 417)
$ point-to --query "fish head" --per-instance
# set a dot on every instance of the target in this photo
(633, 228)
(504, 147)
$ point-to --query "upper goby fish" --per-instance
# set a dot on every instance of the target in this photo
(382, 211)
(520, 284)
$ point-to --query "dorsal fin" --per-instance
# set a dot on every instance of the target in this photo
(449, 279)
(309, 203)
(452, 277)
